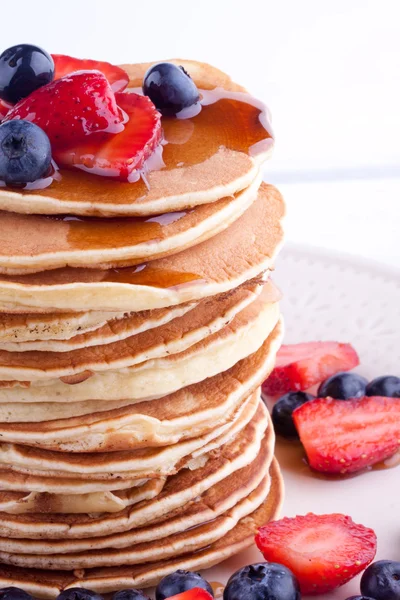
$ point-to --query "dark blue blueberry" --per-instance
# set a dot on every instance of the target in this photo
(24, 69)
(282, 413)
(262, 581)
(360, 598)
(343, 386)
(179, 582)
(14, 593)
(25, 152)
(381, 580)
(388, 385)
(130, 595)
(170, 88)
(79, 594)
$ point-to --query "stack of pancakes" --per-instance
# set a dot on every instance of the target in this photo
(137, 322)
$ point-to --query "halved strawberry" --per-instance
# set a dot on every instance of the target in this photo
(323, 551)
(345, 436)
(4, 108)
(300, 366)
(193, 594)
(122, 154)
(64, 65)
(71, 108)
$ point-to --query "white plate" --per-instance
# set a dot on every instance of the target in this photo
(329, 296)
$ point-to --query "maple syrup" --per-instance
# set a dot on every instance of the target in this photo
(85, 233)
(145, 274)
(232, 120)
(218, 589)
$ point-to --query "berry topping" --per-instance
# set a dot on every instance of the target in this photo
(179, 582)
(262, 581)
(388, 386)
(79, 594)
(323, 551)
(71, 108)
(24, 69)
(170, 88)
(300, 366)
(4, 108)
(123, 154)
(130, 595)
(343, 386)
(282, 413)
(25, 154)
(193, 594)
(381, 580)
(64, 65)
(14, 593)
(345, 437)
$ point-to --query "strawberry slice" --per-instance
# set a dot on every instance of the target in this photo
(71, 108)
(4, 108)
(193, 594)
(345, 436)
(123, 154)
(300, 366)
(323, 551)
(64, 65)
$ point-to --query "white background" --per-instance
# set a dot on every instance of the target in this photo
(329, 70)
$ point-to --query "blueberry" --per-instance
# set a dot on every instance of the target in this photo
(170, 88)
(24, 69)
(282, 413)
(262, 581)
(14, 593)
(388, 386)
(25, 152)
(343, 386)
(130, 595)
(179, 582)
(360, 598)
(79, 594)
(381, 580)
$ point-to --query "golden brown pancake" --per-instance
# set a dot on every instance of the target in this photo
(31, 243)
(208, 157)
(48, 584)
(224, 262)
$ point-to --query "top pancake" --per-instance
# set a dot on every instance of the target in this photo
(207, 157)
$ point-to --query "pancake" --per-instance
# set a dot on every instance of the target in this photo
(60, 333)
(208, 157)
(48, 584)
(155, 378)
(238, 254)
(179, 490)
(172, 546)
(18, 329)
(96, 502)
(31, 243)
(188, 413)
(177, 335)
(213, 503)
(142, 463)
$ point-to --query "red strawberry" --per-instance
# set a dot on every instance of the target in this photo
(4, 108)
(344, 436)
(71, 108)
(300, 366)
(193, 594)
(323, 551)
(64, 65)
(122, 154)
